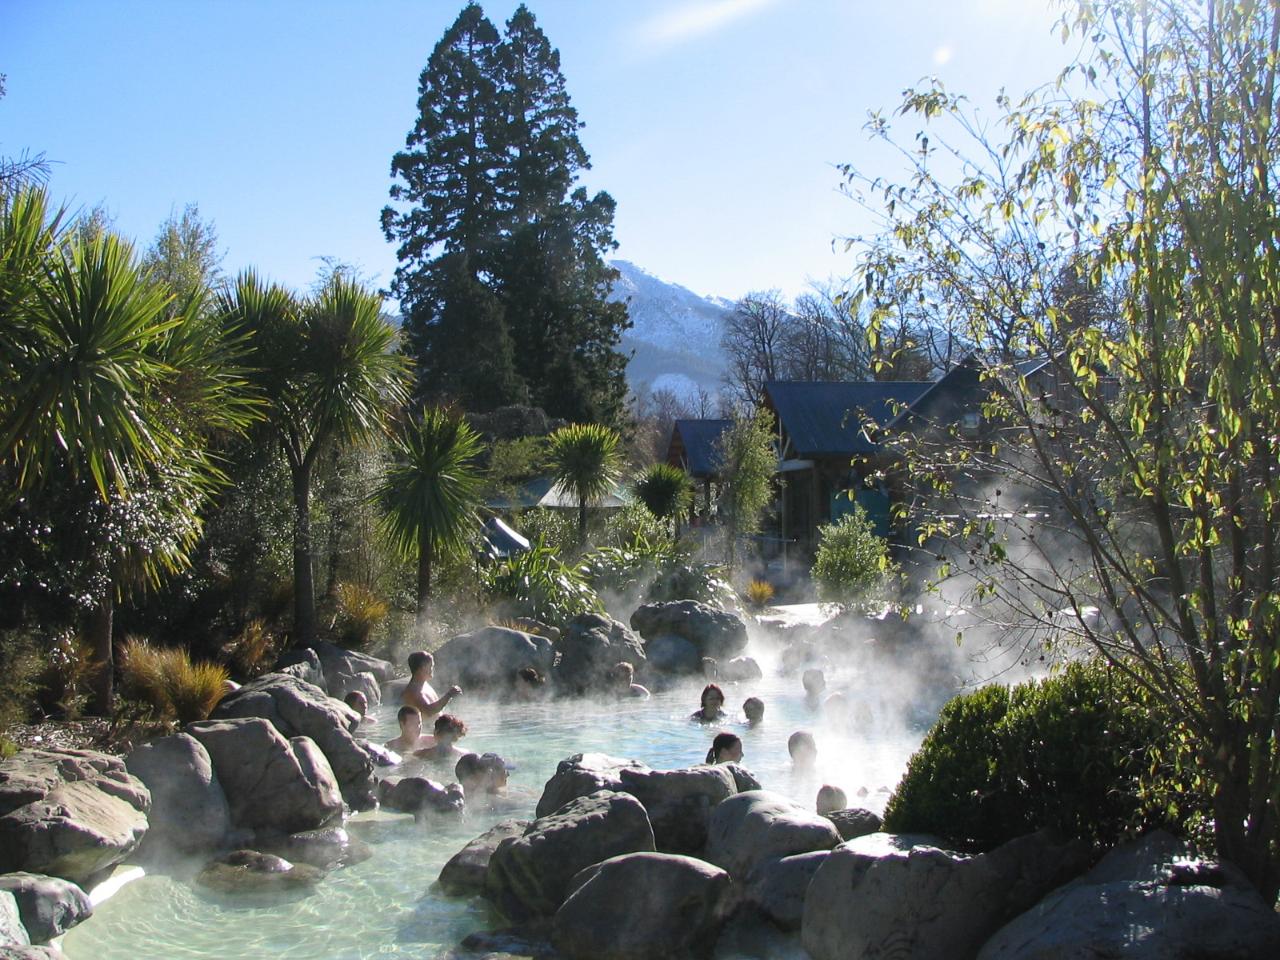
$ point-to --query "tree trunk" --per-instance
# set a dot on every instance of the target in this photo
(304, 598)
(582, 520)
(97, 630)
(424, 580)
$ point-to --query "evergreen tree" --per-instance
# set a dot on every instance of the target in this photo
(535, 279)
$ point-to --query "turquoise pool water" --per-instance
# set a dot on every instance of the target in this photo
(385, 907)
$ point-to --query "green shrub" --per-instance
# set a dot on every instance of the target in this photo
(69, 667)
(634, 525)
(1072, 752)
(557, 529)
(538, 584)
(686, 580)
(358, 612)
(852, 563)
(20, 667)
(166, 682)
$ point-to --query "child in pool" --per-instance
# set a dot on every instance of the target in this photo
(712, 709)
(411, 737)
(623, 677)
(725, 748)
(448, 731)
(419, 693)
(803, 750)
(753, 710)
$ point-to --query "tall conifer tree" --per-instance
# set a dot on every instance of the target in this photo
(491, 183)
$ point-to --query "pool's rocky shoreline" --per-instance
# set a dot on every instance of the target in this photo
(619, 861)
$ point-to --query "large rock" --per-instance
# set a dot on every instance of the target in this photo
(31, 953)
(48, 906)
(326, 849)
(346, 670)
(777, 887)
(1149, 900)
(854, 822)
(302, 663)
(678, 802)
(463, 875)
(884, 893)
(299, 709)
(714, 632)
(741, 668)
(189, 812)
(252, 872)
(272, 785)
(12, 932)
(590, 646)
(580, 775)
(488, 658)
(69, 813)
(529, 875)
(668, 653)
(420, 796)
(642, 906)
(758, 825)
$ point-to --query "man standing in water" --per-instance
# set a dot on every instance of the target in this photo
(419, 693)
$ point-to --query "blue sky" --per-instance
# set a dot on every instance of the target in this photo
(715, 124)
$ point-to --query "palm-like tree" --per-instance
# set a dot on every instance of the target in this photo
(586, 462)
(665, 492)
(431, 491)
(107, 405)
(329, 374)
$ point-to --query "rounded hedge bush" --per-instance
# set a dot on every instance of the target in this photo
(1073, 752)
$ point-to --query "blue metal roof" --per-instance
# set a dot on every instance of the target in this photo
(699, 438)
(826, 419)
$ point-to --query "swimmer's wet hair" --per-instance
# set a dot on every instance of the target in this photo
(530, 675)
(406, 711)
(753, 705)
(801, 738)
(419, 659)
(710, 688)
(448, 723)
(722, 742)
(622, 669)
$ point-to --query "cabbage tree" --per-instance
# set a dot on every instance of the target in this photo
(586, 461)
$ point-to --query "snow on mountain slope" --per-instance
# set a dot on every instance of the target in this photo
(675, 333)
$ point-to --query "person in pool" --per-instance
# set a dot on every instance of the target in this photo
(814, 682)
(411, 737)
(419, 693)
(529, 685)
(448, 731)
(803, 750)
(481, 774)
(712, 709)
(358, 702)
(624, 685)
(725, 748)
(753, 710)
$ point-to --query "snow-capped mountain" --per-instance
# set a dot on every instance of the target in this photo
(675, 333)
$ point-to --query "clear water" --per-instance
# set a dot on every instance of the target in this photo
(386, 906)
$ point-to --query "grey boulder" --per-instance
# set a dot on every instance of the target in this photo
(272, 785)
(678, 802)
(302, 663)
(252, 872)
(589, 647)
(777, 887)
(642, 906)
(463, 875)
(854, 822)
(488, 658)
(189, 812)
(741, 668)
(667, 653)
(12, 932)
(883, 893)
(420, 796)
(69, 813)
(326, 849)
(299, 709)
(1148, 900)
(713, 632)
(47, 906)
(758, 825)
(529, 875)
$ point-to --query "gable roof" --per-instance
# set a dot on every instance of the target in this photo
(826, 419)
(695, 450)
(545, 492)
